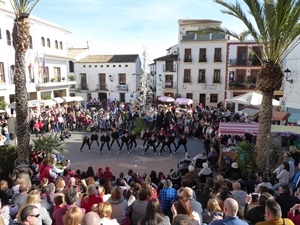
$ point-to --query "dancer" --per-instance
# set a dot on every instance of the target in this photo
(115, 137)
(125, 140)
(151, 142)
(94, 137)
(132, 140)
(172, 139)
(182, 141)
(105, 138)
(160, 138)
(85, 140)
(146, 137)
(166, 143)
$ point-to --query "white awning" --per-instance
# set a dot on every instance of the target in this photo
(34, 103)
(58, 100)
(73, 99)
(48, 102)
(183, 101)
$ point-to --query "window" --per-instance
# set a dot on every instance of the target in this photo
(48, 43)
(61, 45)
(122, 78)
(241, 56)
(43, 41)
(46, 75)
(169, 81)
(231, 76)
(57, 73)
(256, 55)
(83, 82)
(253, 76)
(2, 75)
(71, 66)
(187, 55)
(12, 73)
(213, 98)
(218, 56)
(187, 76)
(202, 55)
(0, 34)
(201, 76)
(8, 38)
(240, 76)
(30, 42)
(56, 44)
(189, 95)
(217, 76)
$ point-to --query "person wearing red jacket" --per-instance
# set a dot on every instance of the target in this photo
(293, 215)
(92, 198)
(107, 175)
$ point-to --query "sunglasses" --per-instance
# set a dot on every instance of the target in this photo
(36, 216)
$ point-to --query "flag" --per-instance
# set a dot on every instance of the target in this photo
(44, 65)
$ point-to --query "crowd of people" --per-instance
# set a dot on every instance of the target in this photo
(192, 194)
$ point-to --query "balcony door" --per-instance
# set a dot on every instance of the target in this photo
(102, 81)
(242, 56)
(169, 81)
(83, 81)
(202, 98)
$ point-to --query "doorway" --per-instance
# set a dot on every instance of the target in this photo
(122, 97)
(102, 96)
(202, 98)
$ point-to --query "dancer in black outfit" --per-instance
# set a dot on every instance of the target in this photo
(94, 137)
(166, 143)
(115, 137)
(125, 140)
(105, 138)
(182, 141)
(146, 137)
(85, 140)
(160, 138)
(132, 140)
(172, 139)
(151, 142)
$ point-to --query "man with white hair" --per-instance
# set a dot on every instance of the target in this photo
(230, 209)
(238, 194)
(91, 218)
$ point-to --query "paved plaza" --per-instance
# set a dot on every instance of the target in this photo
(122, 162)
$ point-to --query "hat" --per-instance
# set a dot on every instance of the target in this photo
(205, 165)
(191, 168)
(234, 165)
(107, 168)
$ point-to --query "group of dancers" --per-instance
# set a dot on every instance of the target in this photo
(128, 139)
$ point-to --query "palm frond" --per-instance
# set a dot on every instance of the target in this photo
(47, 143)
(23, 6)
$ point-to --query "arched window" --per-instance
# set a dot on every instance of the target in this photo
(43, 41)
(48, 43)
(61, 45)
(56, 44)
(30, 42)
(8, 37)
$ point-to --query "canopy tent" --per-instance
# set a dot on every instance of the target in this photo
(279, 116)
(238, 128)
(183, 101)
(294, 118)
(58, 100)
(285, 130)
(250, 98)
(166, 99)
(49, 102)
(73, 99)
(34, 103)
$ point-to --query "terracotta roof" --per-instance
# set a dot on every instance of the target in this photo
(108, 58)
(73, 52)
(171, 57)
(190, 22)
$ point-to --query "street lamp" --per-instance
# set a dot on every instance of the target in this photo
(159, 76)
(111, 78)
(287, 73)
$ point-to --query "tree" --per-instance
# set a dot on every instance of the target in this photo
(275, 27)
(21, 42)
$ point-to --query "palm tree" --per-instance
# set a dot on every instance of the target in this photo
(21, 42)
(275, 27)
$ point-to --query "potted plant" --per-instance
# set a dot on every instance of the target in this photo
(53, 79)
(72, 77)
(245, 151)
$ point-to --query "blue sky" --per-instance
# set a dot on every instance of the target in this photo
(126, 26)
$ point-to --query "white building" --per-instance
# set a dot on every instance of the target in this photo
(108, 77)
(45, 60)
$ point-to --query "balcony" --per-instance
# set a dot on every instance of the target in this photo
(167, 68)
(102, 87)
(121, 87)
(244, 62)
(169, 84)
(83, 87)
(233, 85)
(217, 81)
(53, 83)
(202, 80)
(202, 58)
(187, 80)
(187, 58)
(217, 58)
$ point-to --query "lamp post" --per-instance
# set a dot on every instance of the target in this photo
(287, 74)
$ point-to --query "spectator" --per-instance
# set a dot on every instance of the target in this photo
(118, 204)
(20, 198)
(293, 215)
(189, 194)
(104, 210)
(29, 215)
(166, 195)
(291, 162)
(91, 199)
(264, 181)
(238, 194)
(283, 176)
(91, 218)
(273, 214)
(138, 208)
(73, 216)
(213, 209)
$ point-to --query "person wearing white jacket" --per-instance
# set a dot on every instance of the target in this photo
(283, 176)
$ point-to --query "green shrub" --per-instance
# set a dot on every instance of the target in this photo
(139, 126)
(8, 155)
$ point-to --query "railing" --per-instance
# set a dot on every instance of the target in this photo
(244, 62)
(169, 84)
(241, 85)
(217, 81)
(187, 80)
(187, 58)
(121, 87)
(83, 87)
(217, 58)
(202, 80)
(202, 59)
(102, 87)
(167, 68)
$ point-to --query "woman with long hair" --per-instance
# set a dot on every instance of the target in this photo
(34, 198)
(73, 216)
(213, 209)
(183, 206)
(154, 215)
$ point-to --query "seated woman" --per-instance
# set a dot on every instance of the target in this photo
(104, 210)
(204, 172)
(213, 209)
(118, 204)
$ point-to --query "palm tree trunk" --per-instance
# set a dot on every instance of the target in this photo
(263, 136)
(22, 112)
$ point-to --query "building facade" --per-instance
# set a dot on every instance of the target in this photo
(108, 77)
(45, 60)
